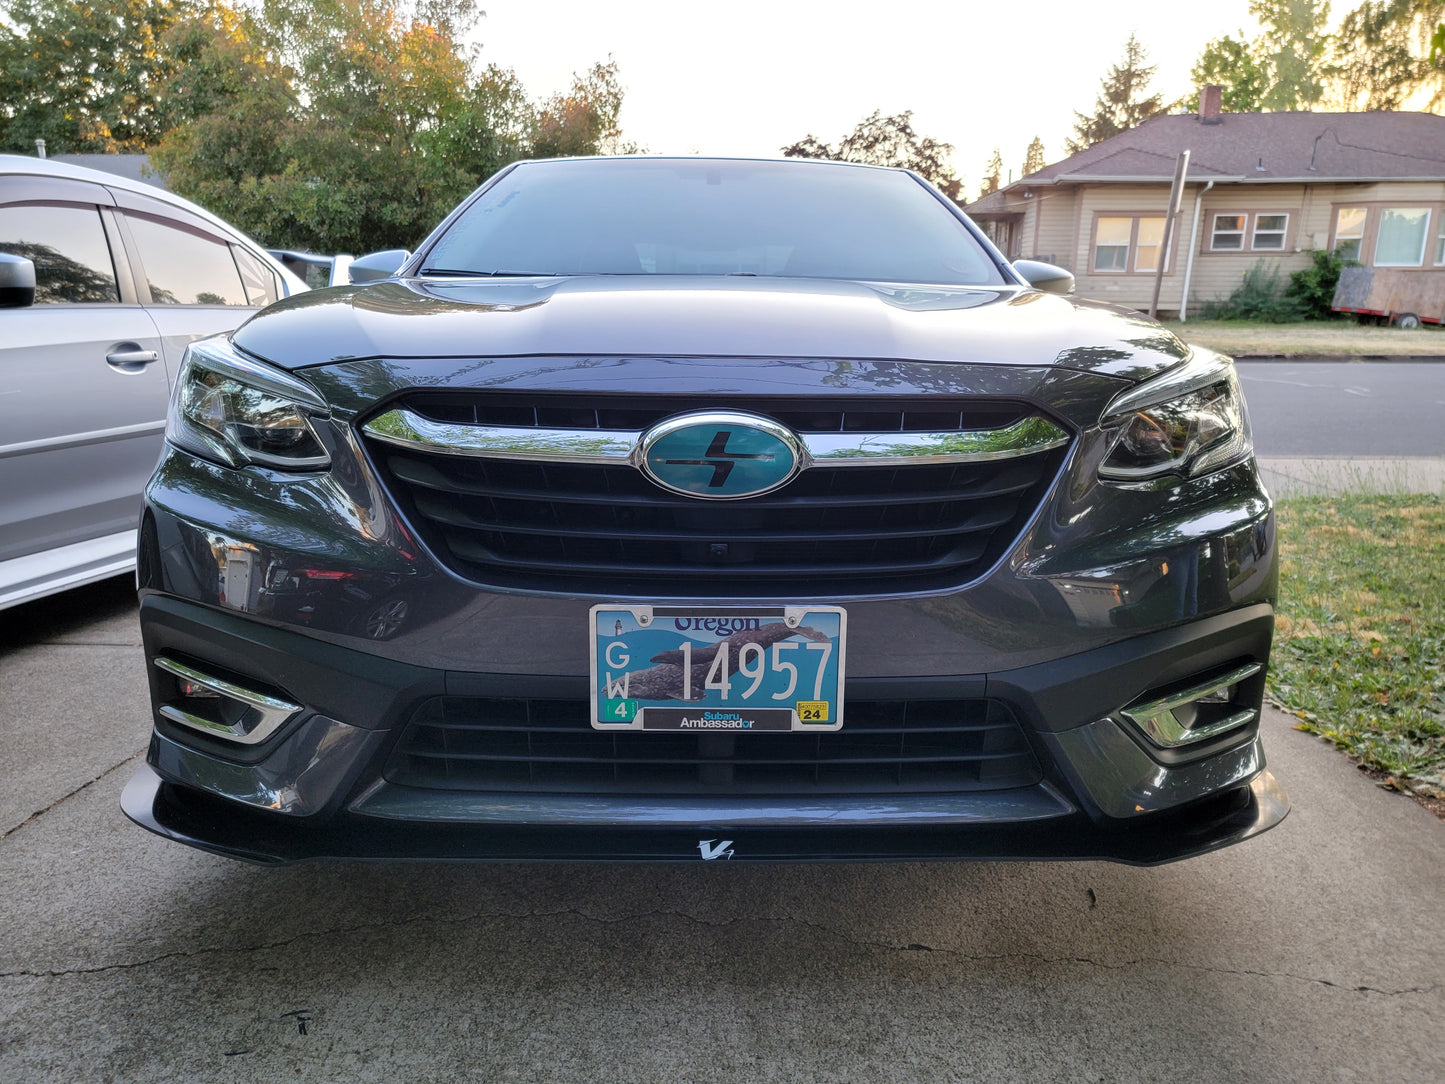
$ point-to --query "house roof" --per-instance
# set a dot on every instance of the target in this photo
(130, 166)
(1254, 148)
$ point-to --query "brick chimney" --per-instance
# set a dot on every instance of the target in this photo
(1209, 101)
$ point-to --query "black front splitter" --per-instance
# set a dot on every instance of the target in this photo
(222, 827)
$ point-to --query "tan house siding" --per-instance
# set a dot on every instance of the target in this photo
(1050, 221)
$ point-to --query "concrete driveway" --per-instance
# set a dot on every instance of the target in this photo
(1315, 953)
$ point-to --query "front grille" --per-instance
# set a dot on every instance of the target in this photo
(608, 530)
(884, 747)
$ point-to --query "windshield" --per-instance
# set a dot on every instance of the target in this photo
(650, 216)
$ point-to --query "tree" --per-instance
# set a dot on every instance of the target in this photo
(1294, 44)
(1034, 157)
(1123, 102)
(993, 174)
(1231, 64)
(1383, 55)
(354, 125)
(888, 141)
(84, 76)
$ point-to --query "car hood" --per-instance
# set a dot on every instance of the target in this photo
(707, 316)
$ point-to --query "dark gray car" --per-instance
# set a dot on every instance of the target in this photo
(690, 509)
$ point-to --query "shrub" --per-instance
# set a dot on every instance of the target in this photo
(1257, 297)
(1313, 289)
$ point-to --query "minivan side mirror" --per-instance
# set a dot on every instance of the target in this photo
(375, 266)
(17, 282)
(1045, 276)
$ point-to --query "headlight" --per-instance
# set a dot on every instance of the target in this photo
(1188, 422)
(237, 411)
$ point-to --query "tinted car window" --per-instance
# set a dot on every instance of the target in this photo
(669, 217)
(259, 280)
(184, 267)
(69, 250)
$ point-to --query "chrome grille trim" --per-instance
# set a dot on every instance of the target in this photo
(601, 447)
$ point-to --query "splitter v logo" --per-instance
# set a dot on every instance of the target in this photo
(720, 455)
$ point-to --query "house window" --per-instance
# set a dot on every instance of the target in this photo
(1228, 233)
(1111, 244)
(1150, 240)
(1402, 237)
(1269, 231)
(1440, 243)
(1129, 243)
(1350, 231)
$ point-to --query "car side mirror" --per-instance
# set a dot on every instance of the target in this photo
(375, 266)
(17, 282)
(1045, 276)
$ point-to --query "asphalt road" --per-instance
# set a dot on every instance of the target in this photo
(1315, 953)
(1367, 408)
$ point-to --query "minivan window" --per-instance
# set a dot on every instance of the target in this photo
(640, 216)
(184, 267)
(68, 247)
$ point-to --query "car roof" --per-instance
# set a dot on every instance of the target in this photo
(19, 164)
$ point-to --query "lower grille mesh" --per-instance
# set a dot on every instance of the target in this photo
(889, 746)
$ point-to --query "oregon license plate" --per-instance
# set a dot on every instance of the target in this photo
(717, 670)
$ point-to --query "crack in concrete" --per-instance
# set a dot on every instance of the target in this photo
(1091, 962)
(7, 833)
(574, 912)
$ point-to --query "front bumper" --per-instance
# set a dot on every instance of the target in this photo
(319, 789)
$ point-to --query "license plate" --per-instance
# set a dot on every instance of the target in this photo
(688, 669)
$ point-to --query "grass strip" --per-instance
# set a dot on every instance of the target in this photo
(1327, 338)
(1360, 632)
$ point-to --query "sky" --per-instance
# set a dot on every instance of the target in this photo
(748, 78)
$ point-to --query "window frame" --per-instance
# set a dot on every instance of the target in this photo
(1248, 231)
(1336, 238)
(1242, 233)
(185, 223)
(124, 289)
(1430, 214)
(1283, 231)
(1131, 259)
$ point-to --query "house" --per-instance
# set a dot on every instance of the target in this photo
(1260, 186)
(135, 167)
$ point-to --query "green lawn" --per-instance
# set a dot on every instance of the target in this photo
(1317, 337)
(1360, 636)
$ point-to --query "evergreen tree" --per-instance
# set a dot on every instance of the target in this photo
(1295, 44)
(1034, 157)
(992, 174)
(1124, 100)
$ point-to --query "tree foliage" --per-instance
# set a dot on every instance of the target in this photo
(1124, 100)
(1034, 157)
(338, 125)
(1380, 58)
(992, 174)
(887, 141)
(1231, 64)
(1294, 42)
(83, 75)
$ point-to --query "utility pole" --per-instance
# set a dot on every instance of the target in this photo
(1176, 193)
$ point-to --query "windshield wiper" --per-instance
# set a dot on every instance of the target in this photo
(471, 273)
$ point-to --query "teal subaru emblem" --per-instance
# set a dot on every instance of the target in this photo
(720, 454)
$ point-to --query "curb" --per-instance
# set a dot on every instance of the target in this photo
(1341, 358)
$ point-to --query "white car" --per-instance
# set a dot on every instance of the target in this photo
(124, 276)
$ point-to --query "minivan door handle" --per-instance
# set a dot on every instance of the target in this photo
(130, 358)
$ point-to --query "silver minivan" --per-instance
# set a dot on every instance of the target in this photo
(124, 276)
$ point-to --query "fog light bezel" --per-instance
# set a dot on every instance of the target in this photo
(1159, 724)
(269, 712)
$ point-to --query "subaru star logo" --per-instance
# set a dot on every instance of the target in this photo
(720, 455)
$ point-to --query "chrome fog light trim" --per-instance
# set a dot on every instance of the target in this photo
(1160, 721)
(268, 712)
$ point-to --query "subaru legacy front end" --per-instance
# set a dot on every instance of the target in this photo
(689, 509)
